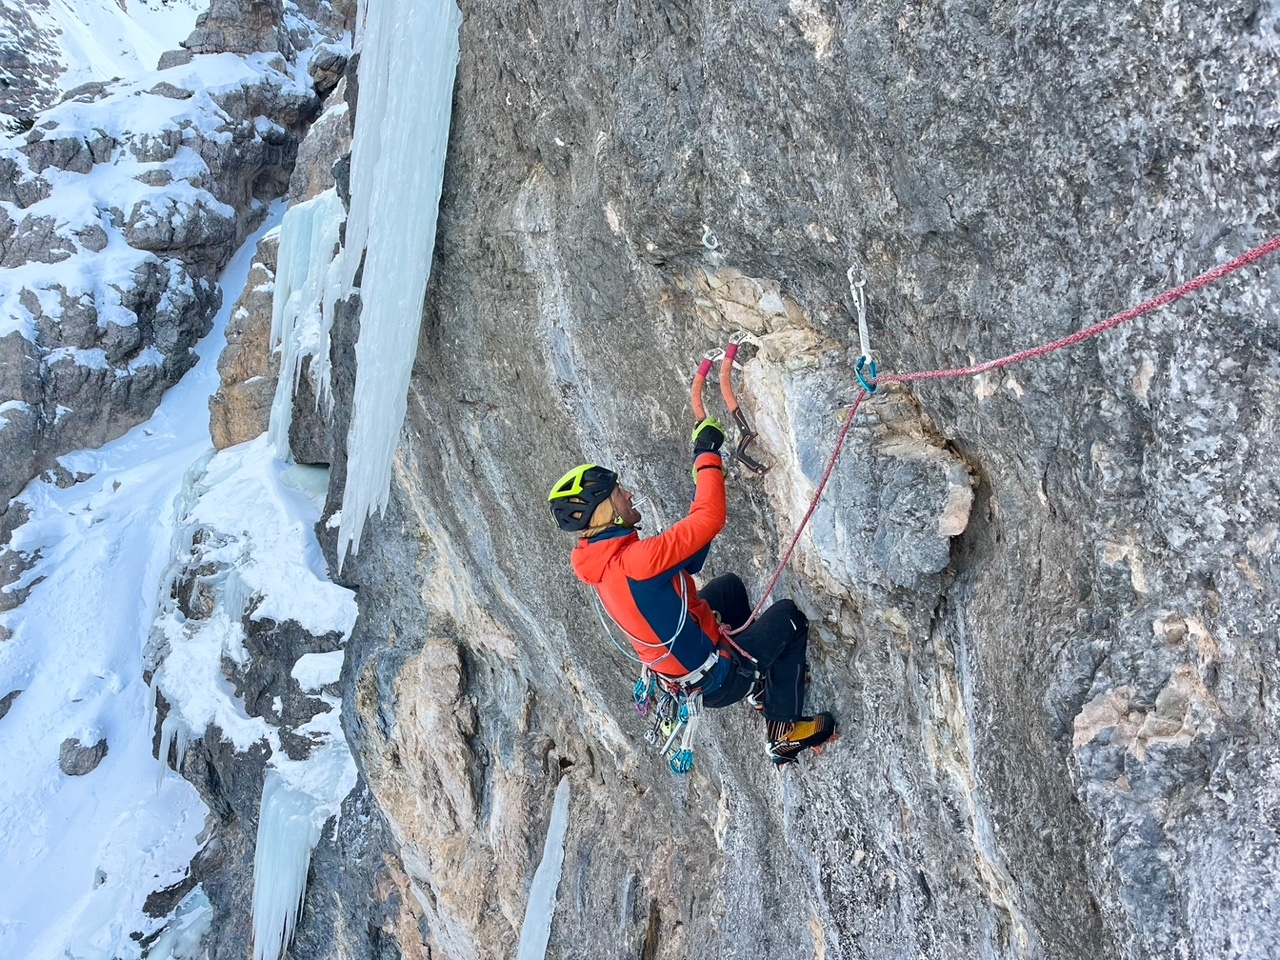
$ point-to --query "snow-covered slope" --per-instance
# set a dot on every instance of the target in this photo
(89, 849)
(96, 837)
(50, 46)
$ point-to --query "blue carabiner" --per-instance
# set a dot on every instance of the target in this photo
(864, 360)
(681, 762)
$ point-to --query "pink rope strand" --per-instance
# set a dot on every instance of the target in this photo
(1164, 299)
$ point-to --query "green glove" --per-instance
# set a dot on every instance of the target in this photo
(707, 437)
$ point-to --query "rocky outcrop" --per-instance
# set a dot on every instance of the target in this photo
(1040, 599)
(248, 367)
(29, 66)
(92, 355)
(240, 26)
(77, 759)
(7, 701)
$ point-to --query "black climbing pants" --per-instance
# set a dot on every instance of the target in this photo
(778, 640)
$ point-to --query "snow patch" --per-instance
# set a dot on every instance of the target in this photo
(314, 671)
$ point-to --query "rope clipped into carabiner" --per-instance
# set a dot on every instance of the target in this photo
(868, 386)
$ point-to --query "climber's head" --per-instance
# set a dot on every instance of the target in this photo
(589, 499)
(580, 494)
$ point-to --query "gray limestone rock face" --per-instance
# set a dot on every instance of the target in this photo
(1042, 600)
(36, 240)
(239, 26)
(29, 67)
(173, 58)
(45, 149)
(77, 759)
(7, 701)
(327, 140)
(248, 368)
(165, 224)
(327, 65)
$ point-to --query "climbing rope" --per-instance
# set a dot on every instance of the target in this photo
(868, 387)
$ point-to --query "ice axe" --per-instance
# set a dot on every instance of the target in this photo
(745, 434)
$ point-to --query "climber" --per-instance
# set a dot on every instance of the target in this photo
(647, 587)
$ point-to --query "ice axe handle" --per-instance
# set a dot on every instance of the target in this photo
(726, 377)
(699, 381)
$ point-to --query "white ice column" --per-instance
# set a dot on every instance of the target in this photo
(308, 283)
(408, 57)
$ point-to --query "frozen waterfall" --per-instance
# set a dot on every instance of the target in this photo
(408, 58)
(307, 286)
(542, 892)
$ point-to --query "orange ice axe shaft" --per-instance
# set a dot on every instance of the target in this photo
(699, 381)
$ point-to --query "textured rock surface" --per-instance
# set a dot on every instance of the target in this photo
(209, 186)
(77, 759)
(1044, 601)
(247, 366)
(7, 701)
(239, 26)
(29, 67)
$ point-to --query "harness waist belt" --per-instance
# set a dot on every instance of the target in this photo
(693, 678)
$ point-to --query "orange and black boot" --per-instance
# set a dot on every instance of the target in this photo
(787, 739)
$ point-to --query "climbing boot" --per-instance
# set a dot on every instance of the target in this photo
(787, 739)
(755, 696)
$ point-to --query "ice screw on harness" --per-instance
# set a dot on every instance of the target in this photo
(857, 290)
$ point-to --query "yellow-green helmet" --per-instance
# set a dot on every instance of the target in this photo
(576, 495)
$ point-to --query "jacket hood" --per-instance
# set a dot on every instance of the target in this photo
(591, 557)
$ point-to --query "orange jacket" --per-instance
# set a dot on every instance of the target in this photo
(647, 584)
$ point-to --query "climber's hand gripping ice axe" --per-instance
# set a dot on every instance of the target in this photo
(746, 434)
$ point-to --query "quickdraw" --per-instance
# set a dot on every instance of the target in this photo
(746, 435)
(675, 711)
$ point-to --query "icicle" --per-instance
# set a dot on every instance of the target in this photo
(174, 732)
(167, 729)
(302, 307)
(542, 892)
(180, 752)
(407, 63)
(288, 830)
